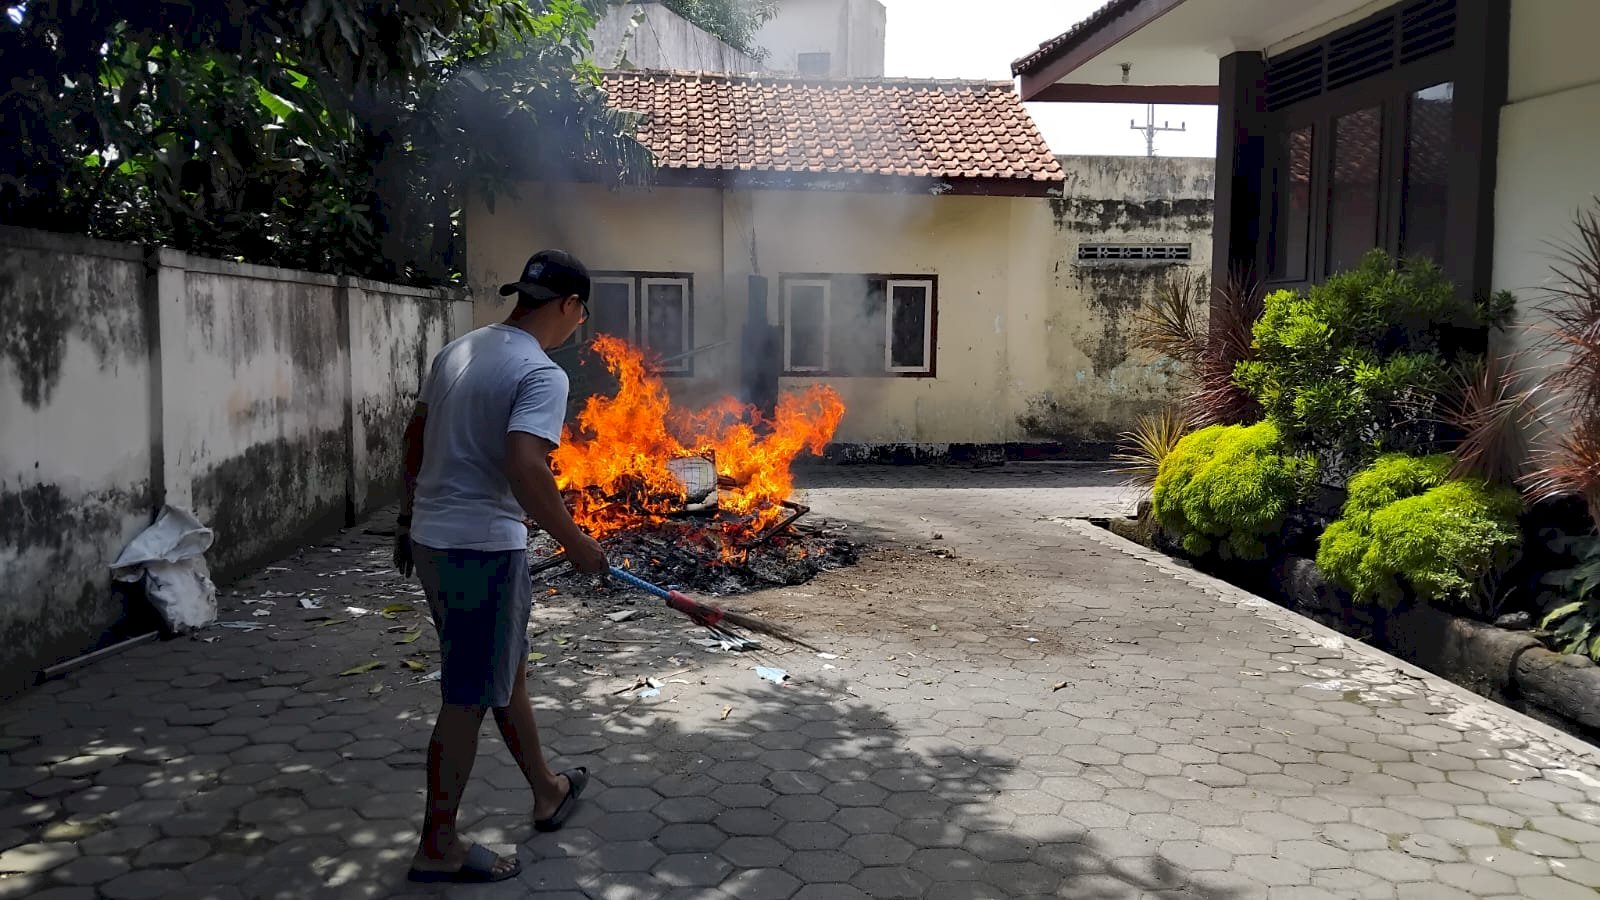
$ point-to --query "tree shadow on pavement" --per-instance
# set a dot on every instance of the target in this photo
(804, 790)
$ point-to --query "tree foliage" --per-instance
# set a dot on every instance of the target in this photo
(332, 135)
(734, 22)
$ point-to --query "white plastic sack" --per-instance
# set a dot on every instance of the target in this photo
(170, 557)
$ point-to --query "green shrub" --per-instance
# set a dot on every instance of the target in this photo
(1408, 524)
(1229, 488)
(1356, 366)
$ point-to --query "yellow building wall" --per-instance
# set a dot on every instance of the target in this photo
(1026, 347)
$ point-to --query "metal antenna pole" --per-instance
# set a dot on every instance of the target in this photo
(1150, 129)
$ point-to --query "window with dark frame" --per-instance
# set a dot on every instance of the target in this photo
(816, 63)
(653, 311)
(858, 325)
(1359, 134)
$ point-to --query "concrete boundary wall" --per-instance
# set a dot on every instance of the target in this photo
(268, 401)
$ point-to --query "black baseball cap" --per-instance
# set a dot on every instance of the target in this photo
(550, 275)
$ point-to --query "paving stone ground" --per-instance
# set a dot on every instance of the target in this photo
(1015, 704)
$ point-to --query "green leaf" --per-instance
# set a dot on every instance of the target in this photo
(1560, 612)
(535, 656)
(409, 637)
(363, 668)
(275, 104)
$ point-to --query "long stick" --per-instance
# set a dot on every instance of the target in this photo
(707, 615)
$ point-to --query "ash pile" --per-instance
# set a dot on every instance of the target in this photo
(703, 548)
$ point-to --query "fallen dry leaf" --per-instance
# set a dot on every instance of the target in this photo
(413, 665)
(726, 712)
(367, 666)
(408, 637)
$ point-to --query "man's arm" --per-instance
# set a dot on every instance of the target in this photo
(534, 485)
(410, 467)
(411, 464)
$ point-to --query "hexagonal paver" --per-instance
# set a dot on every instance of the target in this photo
(689, 837)
(891, 882)
(692, 869)
(748, 822)
(812, 836)
(761, 884)
(33, 859)
(947, 864)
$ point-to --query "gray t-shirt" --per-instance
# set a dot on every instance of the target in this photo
(483, 385)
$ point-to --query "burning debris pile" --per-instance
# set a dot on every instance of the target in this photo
(699, 500)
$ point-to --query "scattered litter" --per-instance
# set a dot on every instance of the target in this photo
(1059, 685)
(535, 656)
(330, 621)
(903, 673)
(409, 636)
(395, 609)
(377, 688)
(431, 676)
(623, 615)
(413, 665)
(308, 603)
(1033, 640)
(933, 628)
(276, 569)
(652, 688)
(1253, 674)
(357, 611)
(250, 601)
(829, 666)
(827, 656)
(561, 640)
(363, 668)
(262, 612)
(776, 676)
(726, 712)
(242, 626)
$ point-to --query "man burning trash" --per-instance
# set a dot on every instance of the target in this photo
(476, 467)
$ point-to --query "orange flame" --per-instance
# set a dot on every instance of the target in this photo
(614, 467)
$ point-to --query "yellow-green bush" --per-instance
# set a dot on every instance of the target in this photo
(1229, 488)
(1408, 524)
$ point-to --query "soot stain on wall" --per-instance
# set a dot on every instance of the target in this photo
(1103, 216)
(45, 301)
(264, 498)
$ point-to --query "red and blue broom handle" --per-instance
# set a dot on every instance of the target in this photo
(705, 615)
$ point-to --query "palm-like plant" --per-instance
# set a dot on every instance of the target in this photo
(1209, 341)
(1570, 466)
(1492, 410)
(1143, 448)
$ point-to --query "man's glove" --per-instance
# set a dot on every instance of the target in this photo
(402, 546)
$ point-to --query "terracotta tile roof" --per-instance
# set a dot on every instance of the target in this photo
(1073, 36)
(970, 130)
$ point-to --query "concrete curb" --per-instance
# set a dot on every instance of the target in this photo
(1288, 620)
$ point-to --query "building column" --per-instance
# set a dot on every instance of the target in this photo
(1242, 181)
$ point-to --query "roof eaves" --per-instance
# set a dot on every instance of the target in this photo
(1077, 34)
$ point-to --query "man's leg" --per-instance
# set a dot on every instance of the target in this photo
(451, 753)
(454, 580)
(521, 734)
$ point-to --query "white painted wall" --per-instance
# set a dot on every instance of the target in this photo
(75, 440)
(1549, 132)
(222, 387)
(650, 36)
(853, 32)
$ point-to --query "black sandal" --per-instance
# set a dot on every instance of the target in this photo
(477, 868)
(577, 780)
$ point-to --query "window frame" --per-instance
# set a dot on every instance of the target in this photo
(927, 326)
(1390, 93)
(827, 55)
(930, 329)
(637, 281)
(632, 283)
(789, 284)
